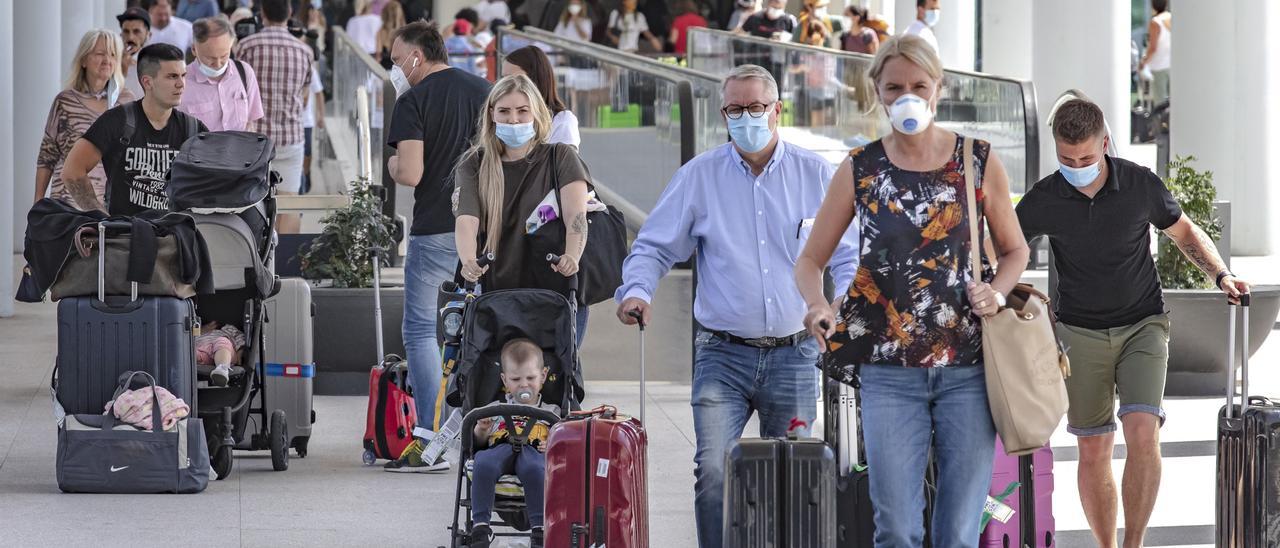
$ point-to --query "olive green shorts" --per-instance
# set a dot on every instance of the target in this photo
(1130, 361)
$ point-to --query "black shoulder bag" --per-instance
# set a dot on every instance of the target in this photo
(600, 269)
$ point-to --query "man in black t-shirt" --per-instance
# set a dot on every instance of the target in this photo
(136, 159)
(772, 23)
(1097, 212)
(432, 125)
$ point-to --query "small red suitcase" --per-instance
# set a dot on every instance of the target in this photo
(392, 415)
(389, 423)
(597, 491)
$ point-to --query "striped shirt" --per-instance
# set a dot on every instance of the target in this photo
(70, 116)
(283, 66)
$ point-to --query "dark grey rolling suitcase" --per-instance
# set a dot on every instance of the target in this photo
(101, 337)
(1248, 480)
(780, 492)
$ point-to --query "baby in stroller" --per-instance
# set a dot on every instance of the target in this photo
(220, 346)
(523, 374)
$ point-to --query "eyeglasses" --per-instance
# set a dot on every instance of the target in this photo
(756, 110)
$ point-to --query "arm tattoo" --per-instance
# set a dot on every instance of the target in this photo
(83, 194)
(579, 226)
(1202, 252)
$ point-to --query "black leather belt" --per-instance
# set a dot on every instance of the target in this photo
(762, 342)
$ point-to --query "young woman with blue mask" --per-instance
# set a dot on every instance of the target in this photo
(504, 188)
(910, 319)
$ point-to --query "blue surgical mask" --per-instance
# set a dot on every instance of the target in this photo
(515, 135)
(931, 17)
(210, 72)
(1080, 177)
(316, 4)
(749, 133)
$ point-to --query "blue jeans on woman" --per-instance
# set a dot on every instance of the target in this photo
(904, 411)
(730, 381)
(430, 260)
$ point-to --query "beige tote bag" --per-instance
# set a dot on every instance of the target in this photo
(1024, 364)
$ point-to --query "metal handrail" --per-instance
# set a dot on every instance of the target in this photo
(340, 35)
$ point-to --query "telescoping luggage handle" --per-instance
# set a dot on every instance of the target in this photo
(1244, 358)
(102, 259)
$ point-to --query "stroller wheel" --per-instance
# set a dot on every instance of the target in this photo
(279, 434)
(368, 458)
(222, 462)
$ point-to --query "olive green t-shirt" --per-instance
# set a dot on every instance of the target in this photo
(527, 183)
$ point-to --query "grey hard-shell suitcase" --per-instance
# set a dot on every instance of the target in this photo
(780, 492)
(101, 337)
(290, 368)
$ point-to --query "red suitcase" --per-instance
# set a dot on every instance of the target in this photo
(392, 415)
(389, 423)
(597, 491)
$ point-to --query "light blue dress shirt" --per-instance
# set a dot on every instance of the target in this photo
(748, 231)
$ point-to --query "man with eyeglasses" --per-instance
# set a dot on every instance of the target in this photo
(747, 208)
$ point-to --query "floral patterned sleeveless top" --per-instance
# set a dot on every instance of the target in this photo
(908, 304)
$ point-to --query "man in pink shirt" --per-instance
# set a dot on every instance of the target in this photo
(221, 92)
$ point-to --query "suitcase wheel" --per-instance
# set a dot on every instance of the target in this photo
(279, 434)
(368, 458)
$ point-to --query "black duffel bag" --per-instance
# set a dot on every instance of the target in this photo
(221, 172)
(600, 270)
(100, 454)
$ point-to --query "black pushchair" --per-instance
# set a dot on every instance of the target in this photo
(223, 180)
(545, 317)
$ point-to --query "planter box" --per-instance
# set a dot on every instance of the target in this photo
(1198, 339)
(343, 334)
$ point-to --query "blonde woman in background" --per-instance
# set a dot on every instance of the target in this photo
(504, 179)
(94, 85)
(392, 19)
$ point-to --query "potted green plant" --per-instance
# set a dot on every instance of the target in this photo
(340, 268)
(1197, 310)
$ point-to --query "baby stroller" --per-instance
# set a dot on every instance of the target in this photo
(543, 316)
(223, 180)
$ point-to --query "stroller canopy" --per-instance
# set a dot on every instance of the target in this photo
(221, 171)
(541, 315)
(236, 252)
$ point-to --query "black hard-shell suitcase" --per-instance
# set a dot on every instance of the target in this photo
(780, 492)
(100, 338)
(842, 431)
(1248, 480)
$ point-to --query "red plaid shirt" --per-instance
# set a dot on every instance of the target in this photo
(283, 65)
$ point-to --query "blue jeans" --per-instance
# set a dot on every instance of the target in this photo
(431, 259)
(491, 464)
(904, 411)
(730, 381)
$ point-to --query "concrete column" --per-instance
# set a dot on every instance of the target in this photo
(1006, 38)
(107, 10)
(957, 33)
(1084, 45)
(41, 76)
(6, 158)
(77, 19)
(1222, 114)
(904, 13)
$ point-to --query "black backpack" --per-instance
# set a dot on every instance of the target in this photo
(222, 171)
(131, 122)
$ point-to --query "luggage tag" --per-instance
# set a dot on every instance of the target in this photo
(995, 508)
(448, 439)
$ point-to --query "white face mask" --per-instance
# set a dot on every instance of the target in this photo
(910, 114)
(210, 72)
(931, 17)
(575, 9)
(400, 80)
(775, 13)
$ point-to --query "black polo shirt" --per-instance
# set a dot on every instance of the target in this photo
(1102, 246)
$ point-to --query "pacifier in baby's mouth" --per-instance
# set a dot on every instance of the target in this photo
(525, 396)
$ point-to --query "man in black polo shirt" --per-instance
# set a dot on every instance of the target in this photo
(1096, 211)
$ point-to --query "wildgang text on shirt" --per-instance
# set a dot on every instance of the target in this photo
(148, 164)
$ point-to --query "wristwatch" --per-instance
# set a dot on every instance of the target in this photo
(1000, 302)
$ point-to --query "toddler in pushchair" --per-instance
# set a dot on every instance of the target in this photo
(220, 346)
(517, 375)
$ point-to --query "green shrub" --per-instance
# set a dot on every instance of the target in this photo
(1195, 193)
(341, 252)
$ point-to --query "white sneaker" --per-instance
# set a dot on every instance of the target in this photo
(220, 376)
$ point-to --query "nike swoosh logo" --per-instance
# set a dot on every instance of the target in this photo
(114, 469)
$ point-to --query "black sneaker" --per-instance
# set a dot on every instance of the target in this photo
(535, 538)
(481, 536)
